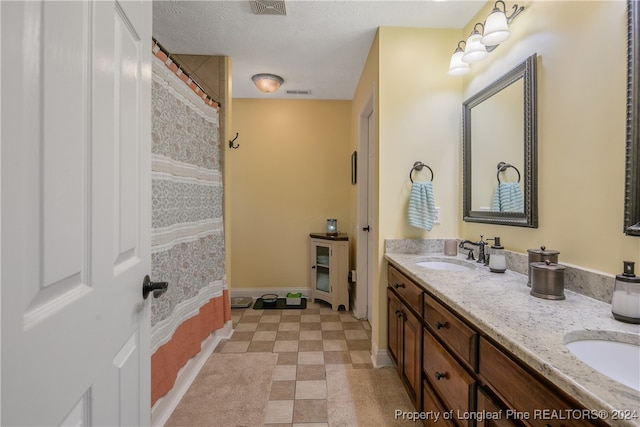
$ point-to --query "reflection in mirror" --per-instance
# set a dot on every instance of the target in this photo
(498, 127)
(500, 154)
(632, 164)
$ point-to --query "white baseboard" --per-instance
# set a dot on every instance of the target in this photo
(380, 358)
(258, 292)
(165, 406)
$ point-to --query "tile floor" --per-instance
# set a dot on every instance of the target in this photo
(308, 342)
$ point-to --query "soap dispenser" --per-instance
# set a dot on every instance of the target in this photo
(625, 304)
(497, 260)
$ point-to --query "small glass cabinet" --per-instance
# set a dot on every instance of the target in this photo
(330, 269)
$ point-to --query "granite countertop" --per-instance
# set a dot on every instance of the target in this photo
(534, 329)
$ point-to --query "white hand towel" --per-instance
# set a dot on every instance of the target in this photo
(422, 205)
(508, 198)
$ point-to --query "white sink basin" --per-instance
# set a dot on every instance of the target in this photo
(617, 360)
(443, 265)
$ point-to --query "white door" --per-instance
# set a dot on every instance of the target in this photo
(370, 210)
(363, 304)
(75, 212)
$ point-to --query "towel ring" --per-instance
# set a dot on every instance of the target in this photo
(417, 166)
(502, 166)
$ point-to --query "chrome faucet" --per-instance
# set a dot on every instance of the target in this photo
(480, 244)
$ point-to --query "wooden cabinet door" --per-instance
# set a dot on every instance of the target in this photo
(394, 333)
(411, 352)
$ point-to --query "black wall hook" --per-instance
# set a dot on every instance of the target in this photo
(232, 141)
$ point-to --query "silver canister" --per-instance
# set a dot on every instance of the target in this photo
(547, 280)
(540, 255)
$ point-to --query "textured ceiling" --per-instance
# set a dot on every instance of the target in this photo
(318, 45)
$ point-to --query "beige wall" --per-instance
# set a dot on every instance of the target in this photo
(291, 172)
(581, 130)
(419, 120)
(224, 138)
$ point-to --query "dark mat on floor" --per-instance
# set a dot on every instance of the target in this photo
(280, 304)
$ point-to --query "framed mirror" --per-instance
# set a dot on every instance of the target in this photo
(500, 166)
(632, 161)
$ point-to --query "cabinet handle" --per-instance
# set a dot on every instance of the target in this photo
(440, 375)
(440, 325)
(398, 313)
(401, 285)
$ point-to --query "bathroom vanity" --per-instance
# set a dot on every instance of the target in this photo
(476, 348)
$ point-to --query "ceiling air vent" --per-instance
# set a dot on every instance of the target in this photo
(298, 92)
(268, 7)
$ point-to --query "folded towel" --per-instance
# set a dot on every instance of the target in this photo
(508, 198)
(322, 282)
(422, 206)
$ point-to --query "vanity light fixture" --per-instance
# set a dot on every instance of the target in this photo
(474, 49)
(457, 67)
(267, 82)
(495, 30)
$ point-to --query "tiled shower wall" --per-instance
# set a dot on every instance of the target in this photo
(187, 226)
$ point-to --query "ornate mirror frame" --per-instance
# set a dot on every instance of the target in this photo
(632, 161)
(529, 218)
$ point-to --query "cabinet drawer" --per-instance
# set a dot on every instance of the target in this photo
(495, 416)
(456, 334)
(452, 383)
(408, 291)
(432, 409)
(521, 391)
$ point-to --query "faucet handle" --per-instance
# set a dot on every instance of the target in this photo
(470, 255)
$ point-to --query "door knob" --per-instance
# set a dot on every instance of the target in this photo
(158, 288)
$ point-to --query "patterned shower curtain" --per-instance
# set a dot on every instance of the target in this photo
(187, 225)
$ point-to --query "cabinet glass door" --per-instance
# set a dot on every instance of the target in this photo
(322, 269)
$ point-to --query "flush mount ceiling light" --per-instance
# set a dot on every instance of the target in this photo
(267, 82)
(495, 30)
